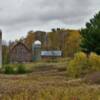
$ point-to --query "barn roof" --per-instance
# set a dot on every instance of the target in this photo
(57, 53)
(18, 43)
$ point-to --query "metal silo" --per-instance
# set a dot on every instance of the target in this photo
(36, 48)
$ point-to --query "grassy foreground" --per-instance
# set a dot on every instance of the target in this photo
(47, 82)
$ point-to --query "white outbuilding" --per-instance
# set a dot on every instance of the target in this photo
(0, 49)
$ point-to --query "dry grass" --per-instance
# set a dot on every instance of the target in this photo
(46, 82)
(47, 85)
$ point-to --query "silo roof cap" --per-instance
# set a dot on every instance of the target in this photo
(37, 42)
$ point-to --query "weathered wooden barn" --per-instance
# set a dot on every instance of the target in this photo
(20, 53)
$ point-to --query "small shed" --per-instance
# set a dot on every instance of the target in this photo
(20, 53)
(51, 54)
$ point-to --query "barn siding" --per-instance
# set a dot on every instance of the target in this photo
(20, 53)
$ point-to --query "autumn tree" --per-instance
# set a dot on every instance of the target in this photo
(65, 40)
(41, 36)
(53, 40)
(72, 42)
(58, 39)
(30, 38)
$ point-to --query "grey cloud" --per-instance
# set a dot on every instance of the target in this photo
(21, 15)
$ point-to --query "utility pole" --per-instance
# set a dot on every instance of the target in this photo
(0, 49)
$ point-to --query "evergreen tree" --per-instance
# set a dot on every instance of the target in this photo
(91, 35)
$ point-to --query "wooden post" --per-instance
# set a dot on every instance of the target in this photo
(0, 49)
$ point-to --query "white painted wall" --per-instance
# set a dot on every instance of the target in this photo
(0, 49)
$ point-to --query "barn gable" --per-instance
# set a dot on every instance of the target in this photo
(20, 53)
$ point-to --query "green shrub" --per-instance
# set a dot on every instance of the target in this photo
(9, 70)
(21, 69)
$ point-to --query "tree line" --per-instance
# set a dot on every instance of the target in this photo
(66, 40)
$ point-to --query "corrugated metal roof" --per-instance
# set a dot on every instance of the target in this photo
(51, 53)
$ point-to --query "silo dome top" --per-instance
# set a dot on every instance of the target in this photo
(37, 42)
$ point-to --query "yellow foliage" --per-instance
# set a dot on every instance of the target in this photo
(80, 56)
(66, 40)
(30, 39)
(81, 64)
(72, 43)
(94, 60)
(76, 65)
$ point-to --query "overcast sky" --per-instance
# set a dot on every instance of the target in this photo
(17, 17)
